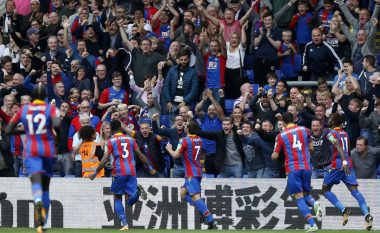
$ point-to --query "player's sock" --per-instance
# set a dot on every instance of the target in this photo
(334, 200)
(359, 197)
(309, 200)
(119, 209)
(189, 200)
(37, 192)
(305, 211)
(46, 203)
(202, 208)
(133, 198)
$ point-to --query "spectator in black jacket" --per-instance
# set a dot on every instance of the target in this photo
(6, 158)
(319, 58)
(229, 150)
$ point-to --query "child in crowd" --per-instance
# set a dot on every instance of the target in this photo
(272, 80)
(74, 102)
(302, 24)
(290, 62)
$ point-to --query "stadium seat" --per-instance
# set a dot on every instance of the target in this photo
(229, 106)
(255, 88)
(364, 133)
(278, 74)
(204, 175)
(251, 76)
(165, 121)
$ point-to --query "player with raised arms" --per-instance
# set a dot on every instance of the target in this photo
(342, 170)
(296, 143)
(41, 124)
(190, 148)
(123, 148)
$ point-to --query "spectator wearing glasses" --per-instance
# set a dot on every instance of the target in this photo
(84, 112)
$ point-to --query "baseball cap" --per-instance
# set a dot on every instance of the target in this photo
(31, 1)
(32, 31)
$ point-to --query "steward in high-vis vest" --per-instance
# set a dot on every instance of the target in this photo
(90, 151)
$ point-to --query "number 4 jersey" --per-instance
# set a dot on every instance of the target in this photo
(122, 148)
(295, 142)
(37, 120)
(190, 147)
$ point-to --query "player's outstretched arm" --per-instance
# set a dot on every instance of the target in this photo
(101, 165)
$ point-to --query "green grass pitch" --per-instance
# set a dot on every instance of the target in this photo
(30, 230)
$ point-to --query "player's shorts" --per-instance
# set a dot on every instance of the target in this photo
(299, 181)
(124, 184)
(334, 176)
(41, 165)
(193, 185)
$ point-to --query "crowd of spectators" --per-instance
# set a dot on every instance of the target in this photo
(155, 64)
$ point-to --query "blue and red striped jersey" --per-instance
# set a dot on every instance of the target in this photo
(340, 136)
(190, 147)
(37, 120)
(122, 148)
(295, 142)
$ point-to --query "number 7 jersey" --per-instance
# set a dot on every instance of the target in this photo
(295, 142)
(122, 148)
(190, 147)
(37, 120)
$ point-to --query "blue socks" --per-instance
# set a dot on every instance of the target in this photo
(309, 200)
(304, 209)
(189, 200)
(37, 192)
(359, 197)
(133, 198)
(46, 203)
(334, 200)
(119, 209)
(202, 208)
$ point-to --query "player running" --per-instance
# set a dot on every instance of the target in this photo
(190, 148)
(39, 119)
(342, 170)
(123, 149)
(296, 143)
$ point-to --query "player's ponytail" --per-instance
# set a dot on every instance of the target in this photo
(39, 91)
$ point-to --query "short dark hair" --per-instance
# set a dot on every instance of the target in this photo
(267, 14)
(363, 139)
(86, 133)
(370, 59)
(229, 119)
(321, 105)
(193, 127)
(321, 80)
(347, 60)
(184, 52)
(319, 120)
(287, 118)
(303, 2)
(115, 125)
(247, 123)
(116, 74)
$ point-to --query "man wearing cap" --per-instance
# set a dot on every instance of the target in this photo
(265, 108)
(33, 41)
